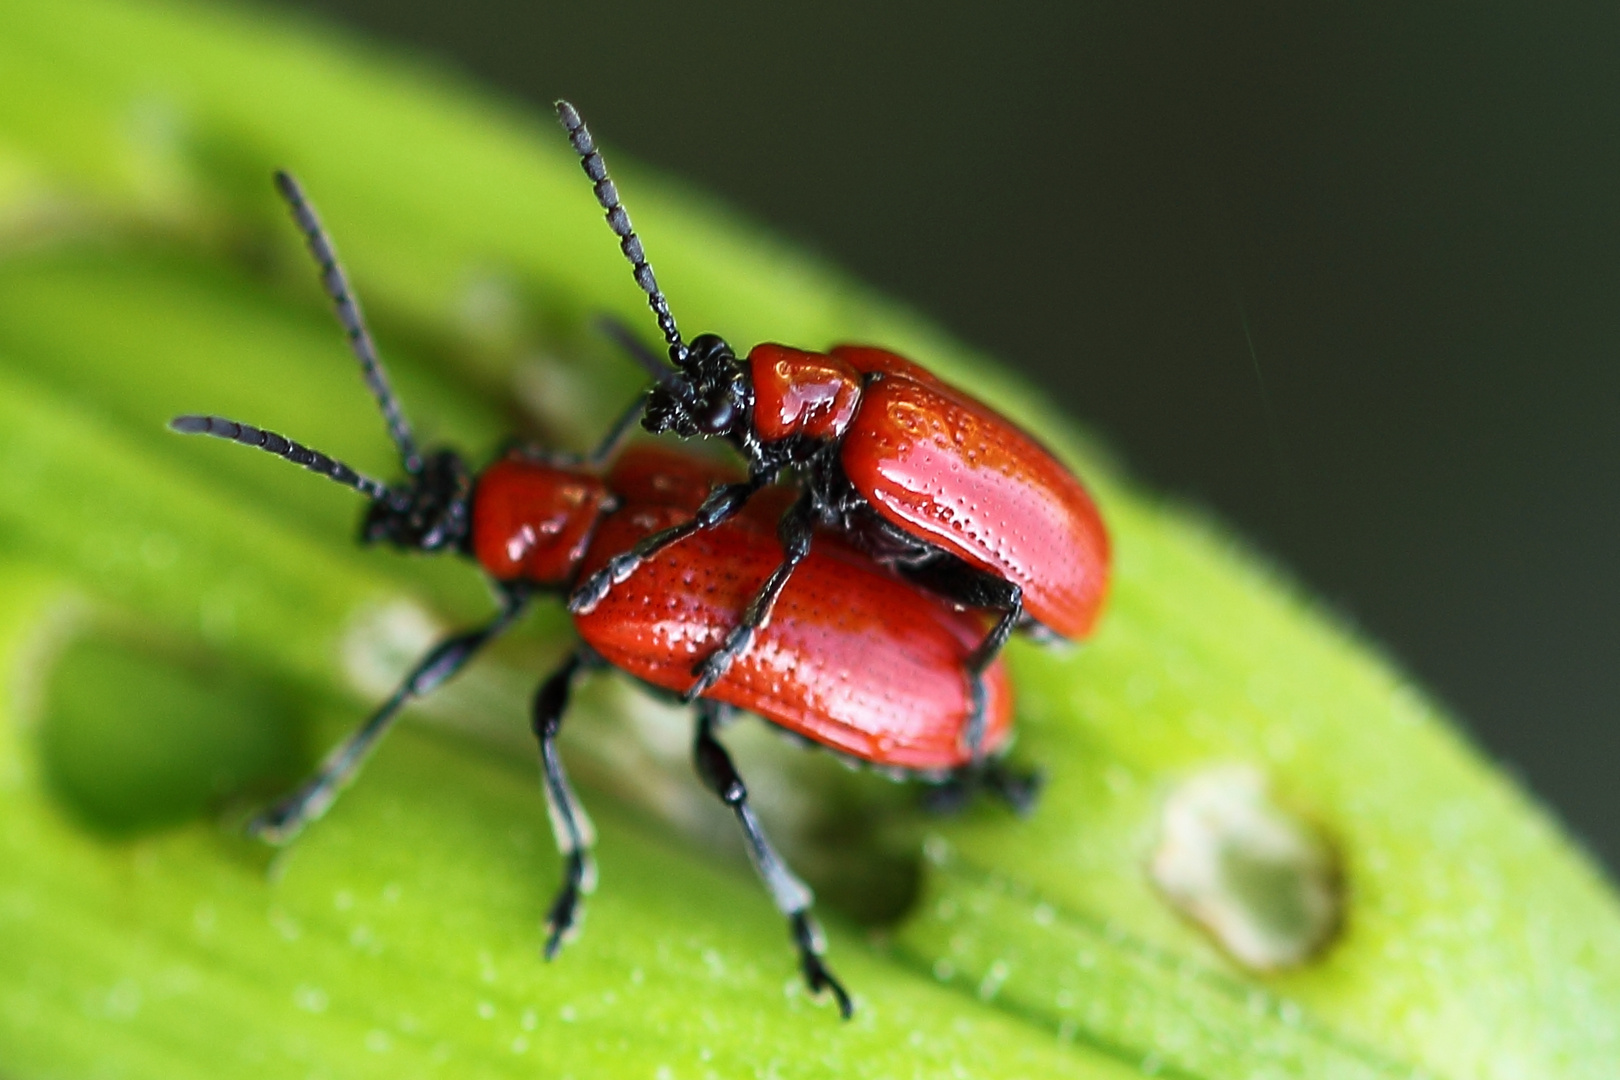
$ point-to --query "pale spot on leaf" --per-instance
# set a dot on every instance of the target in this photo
(1257, 877)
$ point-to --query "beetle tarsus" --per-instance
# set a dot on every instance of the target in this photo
(564, 918)
(280, 823)
(713, 669)
(589, 593)
(808, 938)
(1019, 789)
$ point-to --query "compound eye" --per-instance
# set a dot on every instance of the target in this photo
(716, 417)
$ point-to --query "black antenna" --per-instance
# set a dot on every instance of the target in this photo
(619, 221)
(281, 446)
(336, 284)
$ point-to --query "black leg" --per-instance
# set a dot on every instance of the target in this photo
(597, 457)
(616, 434)
(568, 821)
(722, 503)
(653, 364)
(282, 821)
(792, 896)
(970, 587)
(978, 662)
(794, 531)
(1018, 789)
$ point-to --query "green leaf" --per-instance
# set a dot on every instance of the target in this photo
(183, 627)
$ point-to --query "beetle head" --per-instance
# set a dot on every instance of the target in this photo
(429, 512)
(707, 395)
(431, 509)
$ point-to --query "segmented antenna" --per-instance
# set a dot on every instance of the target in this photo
(619, 221)
(281, 446)
(336, 284)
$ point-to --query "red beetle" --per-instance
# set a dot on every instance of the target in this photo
(920, 475)
(856, 659)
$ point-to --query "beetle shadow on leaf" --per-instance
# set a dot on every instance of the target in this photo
(134, 738)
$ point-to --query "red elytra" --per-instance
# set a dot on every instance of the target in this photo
(921, 476)
(853, 658)
(943, 466)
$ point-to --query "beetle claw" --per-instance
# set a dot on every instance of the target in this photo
(822, 981)
(564, 918)
(1019, 789)
(807, 936)
(707, 676)
(282, 821)
(274, 826)
(584, 599)
(714, 668)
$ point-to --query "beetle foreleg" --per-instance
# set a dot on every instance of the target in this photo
(794, 531)
(626, 423)
(569, 823)
(721, 503)
(286, 818)
(792, 896)
(625, 338)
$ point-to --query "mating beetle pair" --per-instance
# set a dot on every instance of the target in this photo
(923, 477)
(843, 610)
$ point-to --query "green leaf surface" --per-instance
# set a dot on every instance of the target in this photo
(183, 627)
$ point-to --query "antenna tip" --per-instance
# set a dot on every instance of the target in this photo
(567, 114)
(189, 425)
(286, 184)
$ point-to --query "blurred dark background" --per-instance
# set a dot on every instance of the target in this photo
(1350, 277)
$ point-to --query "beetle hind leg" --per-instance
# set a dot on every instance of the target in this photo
(572, 828)
(978, 662)
(792, 896)
(966, 585)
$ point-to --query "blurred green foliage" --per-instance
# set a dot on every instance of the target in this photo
(183, 626)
